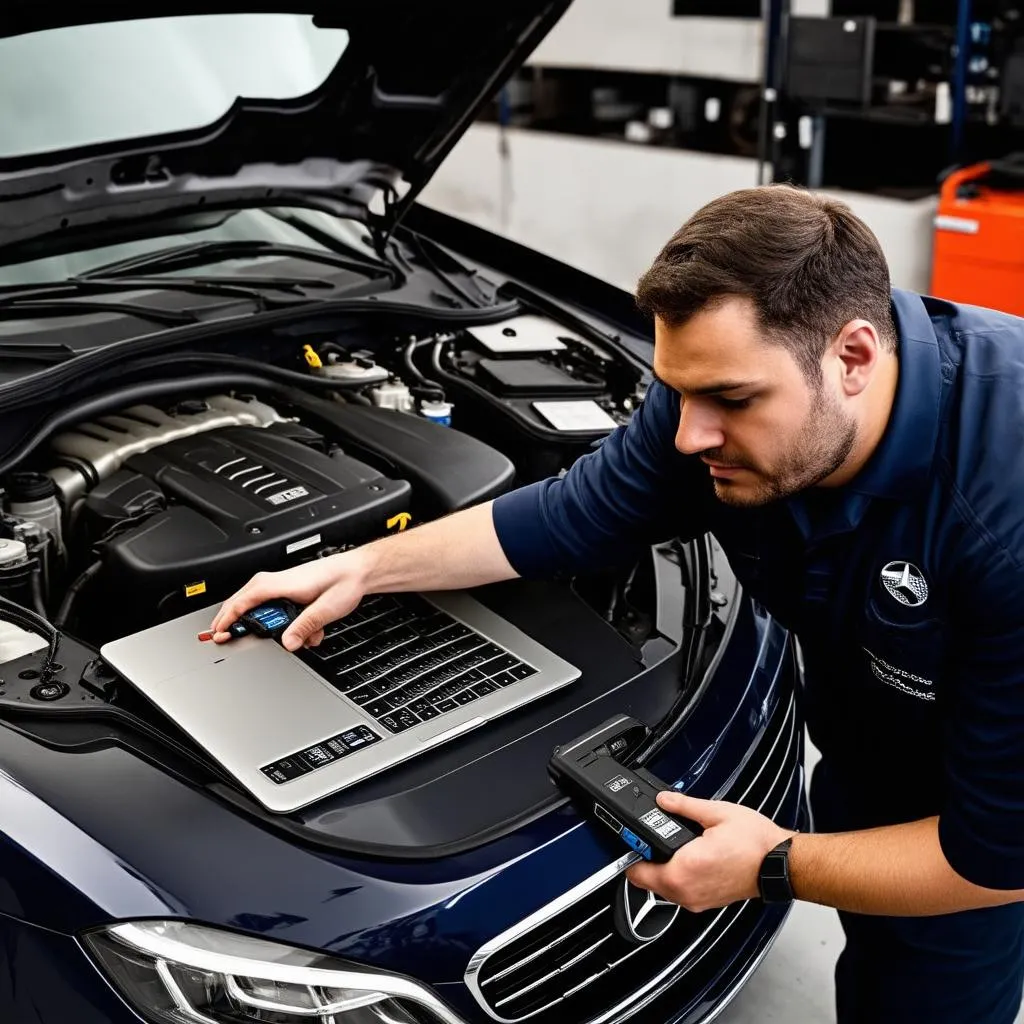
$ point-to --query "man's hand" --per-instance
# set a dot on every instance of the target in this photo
(718, 867)
(329, 587)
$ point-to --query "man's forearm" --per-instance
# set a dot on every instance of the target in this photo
(899, 870)
(460, 550)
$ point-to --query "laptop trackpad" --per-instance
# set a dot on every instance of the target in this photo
(256, 703)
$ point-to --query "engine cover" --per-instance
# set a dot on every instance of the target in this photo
(241, 500)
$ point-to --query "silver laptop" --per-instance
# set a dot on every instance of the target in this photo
(402, 674)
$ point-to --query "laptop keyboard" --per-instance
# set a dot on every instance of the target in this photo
(403, 661)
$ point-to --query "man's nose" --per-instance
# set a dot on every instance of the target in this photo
(699, 430)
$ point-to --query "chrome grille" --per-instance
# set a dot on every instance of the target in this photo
(567, 961)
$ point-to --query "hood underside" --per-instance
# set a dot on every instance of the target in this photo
(410, 78)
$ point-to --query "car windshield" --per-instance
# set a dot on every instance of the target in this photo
(89, 84)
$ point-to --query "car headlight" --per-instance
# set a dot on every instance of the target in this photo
(173, 972)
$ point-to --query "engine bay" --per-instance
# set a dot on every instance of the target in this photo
(178, 501)
(172, 496)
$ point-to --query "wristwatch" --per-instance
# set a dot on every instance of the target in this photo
(773, 878)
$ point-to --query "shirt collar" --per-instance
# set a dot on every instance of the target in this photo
(901, 463)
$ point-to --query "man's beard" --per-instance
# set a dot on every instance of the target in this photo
(824, 443)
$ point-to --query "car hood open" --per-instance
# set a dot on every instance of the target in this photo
(410, 80)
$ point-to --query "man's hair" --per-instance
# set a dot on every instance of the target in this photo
(806, 262)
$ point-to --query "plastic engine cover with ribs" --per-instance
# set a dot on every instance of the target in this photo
(242, 499)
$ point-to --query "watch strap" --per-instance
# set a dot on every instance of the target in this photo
(773, 879)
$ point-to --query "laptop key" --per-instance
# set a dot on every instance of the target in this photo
(407, 718)
(484, 688)
(503, 678)
(330, 647)
(521, 671)
(445, 706)
(395, 723)
(351, 679)
(465, 697)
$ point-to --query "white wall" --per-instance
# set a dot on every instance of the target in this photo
(642, 35)
(607, 207)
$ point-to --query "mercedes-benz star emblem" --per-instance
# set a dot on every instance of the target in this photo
(642, 917)
(906, 583)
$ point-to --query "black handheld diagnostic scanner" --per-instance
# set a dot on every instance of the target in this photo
(267, 620)
(622, 799)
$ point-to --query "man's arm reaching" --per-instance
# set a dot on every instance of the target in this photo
(461, 550)
(636, 490)
(899, 871)
(608, 504)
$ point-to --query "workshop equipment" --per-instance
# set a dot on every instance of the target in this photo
(979, 236)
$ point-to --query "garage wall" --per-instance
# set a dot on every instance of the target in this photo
(607, 207)
(642, 35)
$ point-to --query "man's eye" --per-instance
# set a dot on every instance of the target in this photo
(734, 403)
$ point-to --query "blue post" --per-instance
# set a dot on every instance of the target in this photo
(963, 56)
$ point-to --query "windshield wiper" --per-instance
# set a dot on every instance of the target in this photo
(77, 293)
(198, 253)
(33, 352)
(210, 284)
(31, 308)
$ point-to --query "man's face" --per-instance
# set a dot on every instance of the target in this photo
(747, 409)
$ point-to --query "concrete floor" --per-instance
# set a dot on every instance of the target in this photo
(795, 983)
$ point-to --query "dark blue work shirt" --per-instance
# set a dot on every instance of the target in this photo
(905, 587)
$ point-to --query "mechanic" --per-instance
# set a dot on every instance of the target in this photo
(857, 450)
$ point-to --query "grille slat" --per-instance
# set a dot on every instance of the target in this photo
(545, 949)
(547, 972)
(759, 788)
(583, 984)
(577, 959)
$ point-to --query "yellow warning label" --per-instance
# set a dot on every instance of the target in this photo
(401, 521)
(311, 357)
(195, 589)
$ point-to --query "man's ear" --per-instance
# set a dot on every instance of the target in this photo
(856, 350)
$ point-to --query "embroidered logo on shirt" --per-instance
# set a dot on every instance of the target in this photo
(905, 582)
(900, 678)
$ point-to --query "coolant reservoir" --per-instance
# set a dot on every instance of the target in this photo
(363, 371)
(393, 395)
(32, 497)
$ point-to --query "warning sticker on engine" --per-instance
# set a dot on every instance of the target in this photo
(619, 782)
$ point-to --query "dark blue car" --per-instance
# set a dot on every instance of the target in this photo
(178, 267)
